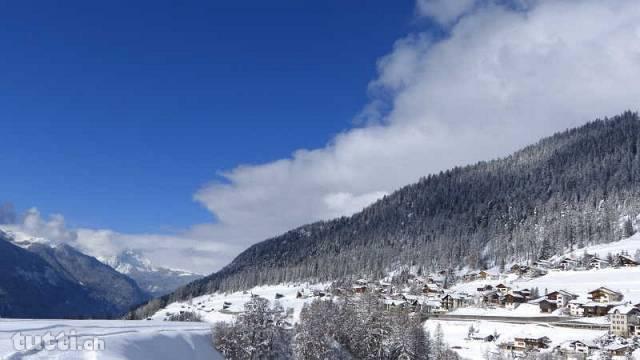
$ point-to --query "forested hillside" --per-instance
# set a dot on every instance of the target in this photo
(574, 188)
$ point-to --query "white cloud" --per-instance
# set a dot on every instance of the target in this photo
(501, 79)
(445, 11)
(53, 229)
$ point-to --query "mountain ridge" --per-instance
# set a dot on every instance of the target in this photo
(564, 191)
(46, 279)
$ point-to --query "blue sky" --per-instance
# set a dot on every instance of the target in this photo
(190, 132)
(115, 113)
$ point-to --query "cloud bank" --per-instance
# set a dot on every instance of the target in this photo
(505, 75)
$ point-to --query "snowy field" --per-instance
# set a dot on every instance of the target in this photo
(455, 333)
(114, 340)
(630, 245)
(524, 310)
(624, 280)
(212, 307)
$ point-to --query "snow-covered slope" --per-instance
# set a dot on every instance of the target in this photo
(223, 307)
(157, 281)
(455, 334)
(631, 245)
(625, 280)
(24, 240)
(132, 340)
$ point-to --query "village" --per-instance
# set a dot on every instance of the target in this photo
(521, 294)
(601, 308)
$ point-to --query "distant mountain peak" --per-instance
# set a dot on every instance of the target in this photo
(129, 260)
(153, 279)
(23, 239)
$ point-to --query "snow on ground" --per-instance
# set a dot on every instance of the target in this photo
(624, 280)
(455, 333)
(211, 307)
(133, 340)
(630, 245)
(471, 286)
(524, 310)
(600, 320)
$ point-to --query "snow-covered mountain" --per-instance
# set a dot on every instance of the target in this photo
(156, 281)
(44, 279)
(565, 191)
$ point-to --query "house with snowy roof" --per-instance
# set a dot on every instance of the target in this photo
(577, 349)
(561, 297)
(519, 269)
(595, 309)
(431, 306)
(394, 304)
(502, 288)
(546, 305)
(598, 263)
(618, 350)
(544, 264)
(488, 275)
(492, 298)
(455, 301)
(512, 300)
(432, 289)
(526, 343)
(576, 307)
(625, 320)
(470, 276)
(605, 295)
(567, 264)
(486, 337)
(626, 261)
(485, 288)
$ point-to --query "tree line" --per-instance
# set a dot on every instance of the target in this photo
(353, 328)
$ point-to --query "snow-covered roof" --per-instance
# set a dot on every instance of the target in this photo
(628, 258)
(432, 303)
(563, 292)
(481, 335)
(605, 289)
(615, 347)
(624, 309)
(394, 302)
(599, 304)
(570, 344)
